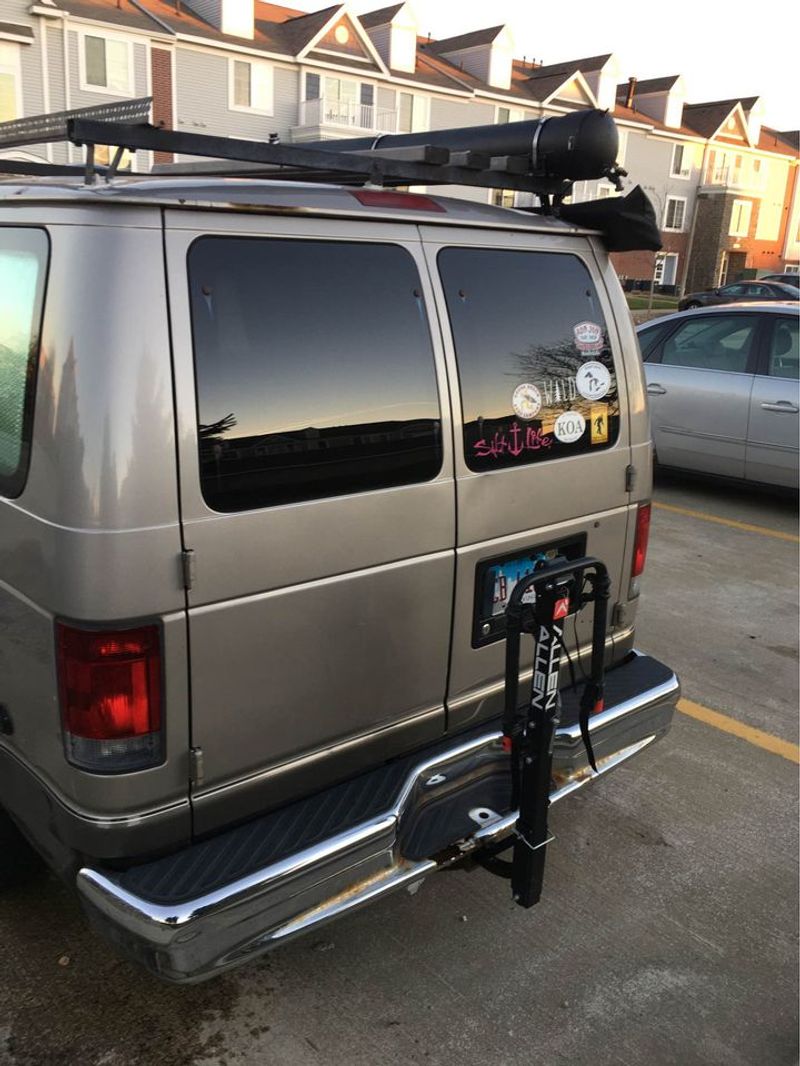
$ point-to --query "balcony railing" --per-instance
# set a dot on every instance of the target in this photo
(736, 178)
(349, 113)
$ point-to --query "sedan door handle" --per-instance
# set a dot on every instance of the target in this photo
(785, 407)
(656, 390)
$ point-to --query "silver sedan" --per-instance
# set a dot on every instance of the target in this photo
(722, 384)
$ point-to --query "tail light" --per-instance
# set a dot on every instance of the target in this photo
(110, 693)
(640, 547)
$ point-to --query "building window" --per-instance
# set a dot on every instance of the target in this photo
(299, 406)
(509, 114)
(10, 103)
(740, 218)
(675, 213)
(502, 197)
(605, 191)
(681, 161)
(412, 113)
(108, 65)
(251, 86)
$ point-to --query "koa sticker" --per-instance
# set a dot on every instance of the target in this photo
(588, 337)
(526, 401)
(599, 423)
(593, 380)
(569, 427)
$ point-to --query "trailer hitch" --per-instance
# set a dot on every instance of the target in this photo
(528, 731)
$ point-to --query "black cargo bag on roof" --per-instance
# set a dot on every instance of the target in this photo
(628, 223)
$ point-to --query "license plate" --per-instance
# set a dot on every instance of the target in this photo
(504, 578)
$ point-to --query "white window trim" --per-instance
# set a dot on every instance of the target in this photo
(622, 151)
(738, 232)
(106, 35)
(15, 70)
(673, 173)
(250, 110)
(674, 229)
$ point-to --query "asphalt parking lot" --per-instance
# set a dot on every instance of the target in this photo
(667, 933)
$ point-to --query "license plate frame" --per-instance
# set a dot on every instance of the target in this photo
(488, 619)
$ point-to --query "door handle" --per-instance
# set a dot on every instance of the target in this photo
(785, 407)
(656, 390)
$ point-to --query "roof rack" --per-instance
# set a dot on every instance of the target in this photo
(541, 156)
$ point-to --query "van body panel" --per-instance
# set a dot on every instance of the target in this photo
(94, 537)
(318, 622)
(581, 498)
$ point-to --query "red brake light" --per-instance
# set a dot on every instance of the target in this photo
(405, 201)
(642, 537)
(110, 693)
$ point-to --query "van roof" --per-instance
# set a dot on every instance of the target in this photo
(278, 196)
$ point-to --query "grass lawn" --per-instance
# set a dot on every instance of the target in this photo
(638, 301)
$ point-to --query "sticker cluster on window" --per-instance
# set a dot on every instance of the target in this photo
(572, 404)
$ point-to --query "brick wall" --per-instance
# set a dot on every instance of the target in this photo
(712, 211)
(161, 72)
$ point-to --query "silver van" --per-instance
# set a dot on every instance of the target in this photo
(273, 458)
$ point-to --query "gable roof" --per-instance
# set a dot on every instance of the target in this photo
(378, 18)
(570, 66)
(706, 119)
(650, 85)
(300, 31)
(466, 40)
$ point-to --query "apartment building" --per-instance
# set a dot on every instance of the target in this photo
(725, 186)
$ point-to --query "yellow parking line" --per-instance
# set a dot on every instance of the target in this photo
(732, 522)
(767, 741)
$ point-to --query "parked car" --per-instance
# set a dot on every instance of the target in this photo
(740, 291)
(722, 386)
(274, 460)
(792, 279)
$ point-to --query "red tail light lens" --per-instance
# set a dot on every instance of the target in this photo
(110, 693)
(642, 537)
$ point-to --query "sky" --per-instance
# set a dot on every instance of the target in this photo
(723, 51)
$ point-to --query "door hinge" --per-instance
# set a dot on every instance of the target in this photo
(630, 478)
(188, 567)
(196, 767)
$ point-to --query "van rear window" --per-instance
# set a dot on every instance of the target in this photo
(314, 369)
(535, 366)
(23, 268)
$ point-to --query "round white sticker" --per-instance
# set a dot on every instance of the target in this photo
(593, 380)
(526, 401)
(569, 427)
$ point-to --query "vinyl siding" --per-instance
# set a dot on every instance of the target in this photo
(202, 98)
(448, 114)
(56, 82)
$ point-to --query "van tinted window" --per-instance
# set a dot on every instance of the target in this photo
(535, 367)
(314, 367)
(23, 267)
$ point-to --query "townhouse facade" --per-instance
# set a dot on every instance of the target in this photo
(725, 187)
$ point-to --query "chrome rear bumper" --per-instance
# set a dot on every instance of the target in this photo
(202, 936)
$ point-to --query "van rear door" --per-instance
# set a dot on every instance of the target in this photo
(317, 500)
(542, 439)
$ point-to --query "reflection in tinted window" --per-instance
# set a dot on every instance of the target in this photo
(23, 265)
(650, 338)
(314, 367)
(535, 367)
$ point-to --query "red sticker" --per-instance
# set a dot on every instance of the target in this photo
(561, 608)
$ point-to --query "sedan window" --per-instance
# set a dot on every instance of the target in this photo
(712, 342)
(733, 290)
(784, 352)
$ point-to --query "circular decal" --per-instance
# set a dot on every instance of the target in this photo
(526, 401)
(588, 336)
(593, 380)
(569, 427)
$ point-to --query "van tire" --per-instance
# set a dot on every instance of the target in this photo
(19, 863)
